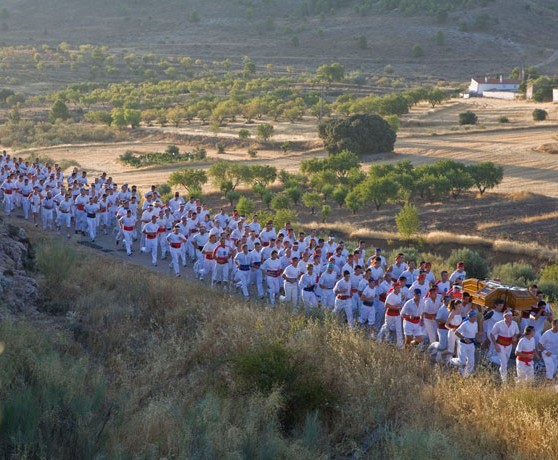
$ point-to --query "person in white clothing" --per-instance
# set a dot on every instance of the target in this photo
(367, 310)
(243, 262)
(8, 189)
(548, 346)
(65, 209)
(221, 254)
(458, 276)
(432, 303)
(393, 304)
(272, 270)
(151, 230)
(176, 240)
(466, 333)
(411, 313)
(326, 284)
(525, 353)
(342, 291)
(504, 335)
(127, 226)
(308, 283)
(91, 209)
(290, 277)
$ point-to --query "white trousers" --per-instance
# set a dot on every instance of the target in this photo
(550, 364)
(244, 277)
(47, 218)
(92, 227)
(291, 293)
(465, 358)
(8, 203)
(65, 219)
(175, 254)
(504, 357)
(128, 238)
(310, 300)
(347, 306)
(221, 273)
(151, 247)
(525, 371)
(430, 327)
(392, 323)
(327, 298)
(367, 314)
(273, 287)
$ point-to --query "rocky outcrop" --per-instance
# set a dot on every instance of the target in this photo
(18, 290)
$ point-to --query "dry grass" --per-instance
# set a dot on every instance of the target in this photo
(438, 237)
(524, 220)
(166, 347)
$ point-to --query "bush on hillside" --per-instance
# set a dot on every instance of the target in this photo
(548, 282)
(468, 118)
(540, 114)
(359, 134)
(475, 265)
(515, 273)
(273, 367)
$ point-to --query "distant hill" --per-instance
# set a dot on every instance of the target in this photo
(449, 39)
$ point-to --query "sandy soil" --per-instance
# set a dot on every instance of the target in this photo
(427, 135)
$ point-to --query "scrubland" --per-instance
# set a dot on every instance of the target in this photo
(126, 363)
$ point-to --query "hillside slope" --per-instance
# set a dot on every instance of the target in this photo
(481, 39)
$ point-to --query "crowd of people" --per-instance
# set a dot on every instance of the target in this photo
(400, 300)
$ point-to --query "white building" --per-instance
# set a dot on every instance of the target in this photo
(481, 84)
(555, 95)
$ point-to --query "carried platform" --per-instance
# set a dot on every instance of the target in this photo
(485, 293)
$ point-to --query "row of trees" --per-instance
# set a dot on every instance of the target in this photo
(339, 179)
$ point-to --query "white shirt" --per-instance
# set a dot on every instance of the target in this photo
(291, 271)
(501, 329)
(457, 275)
(327, 280)
(468, 329)
(342, 288)
(393, 299)
(549, 341)
(411, 308)
(525, 345)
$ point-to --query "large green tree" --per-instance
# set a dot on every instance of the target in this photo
(359, 134)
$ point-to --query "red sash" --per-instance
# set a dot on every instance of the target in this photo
(392, 312)
(176, 245)
(413, 319)
(128, 229)
(504, 341)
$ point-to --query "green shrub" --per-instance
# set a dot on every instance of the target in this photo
(503, 119)
(515, 273)
(52, 402)
(272, 366)
(540, 114)
(548, 281)
(245, 206)
(172, 150)
(281, 201)
(475, 264)
(408, 221)
(549, 289)
(282, 216)
(220, 146)
(468, 118)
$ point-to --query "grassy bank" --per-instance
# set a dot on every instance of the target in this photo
(139, 365)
